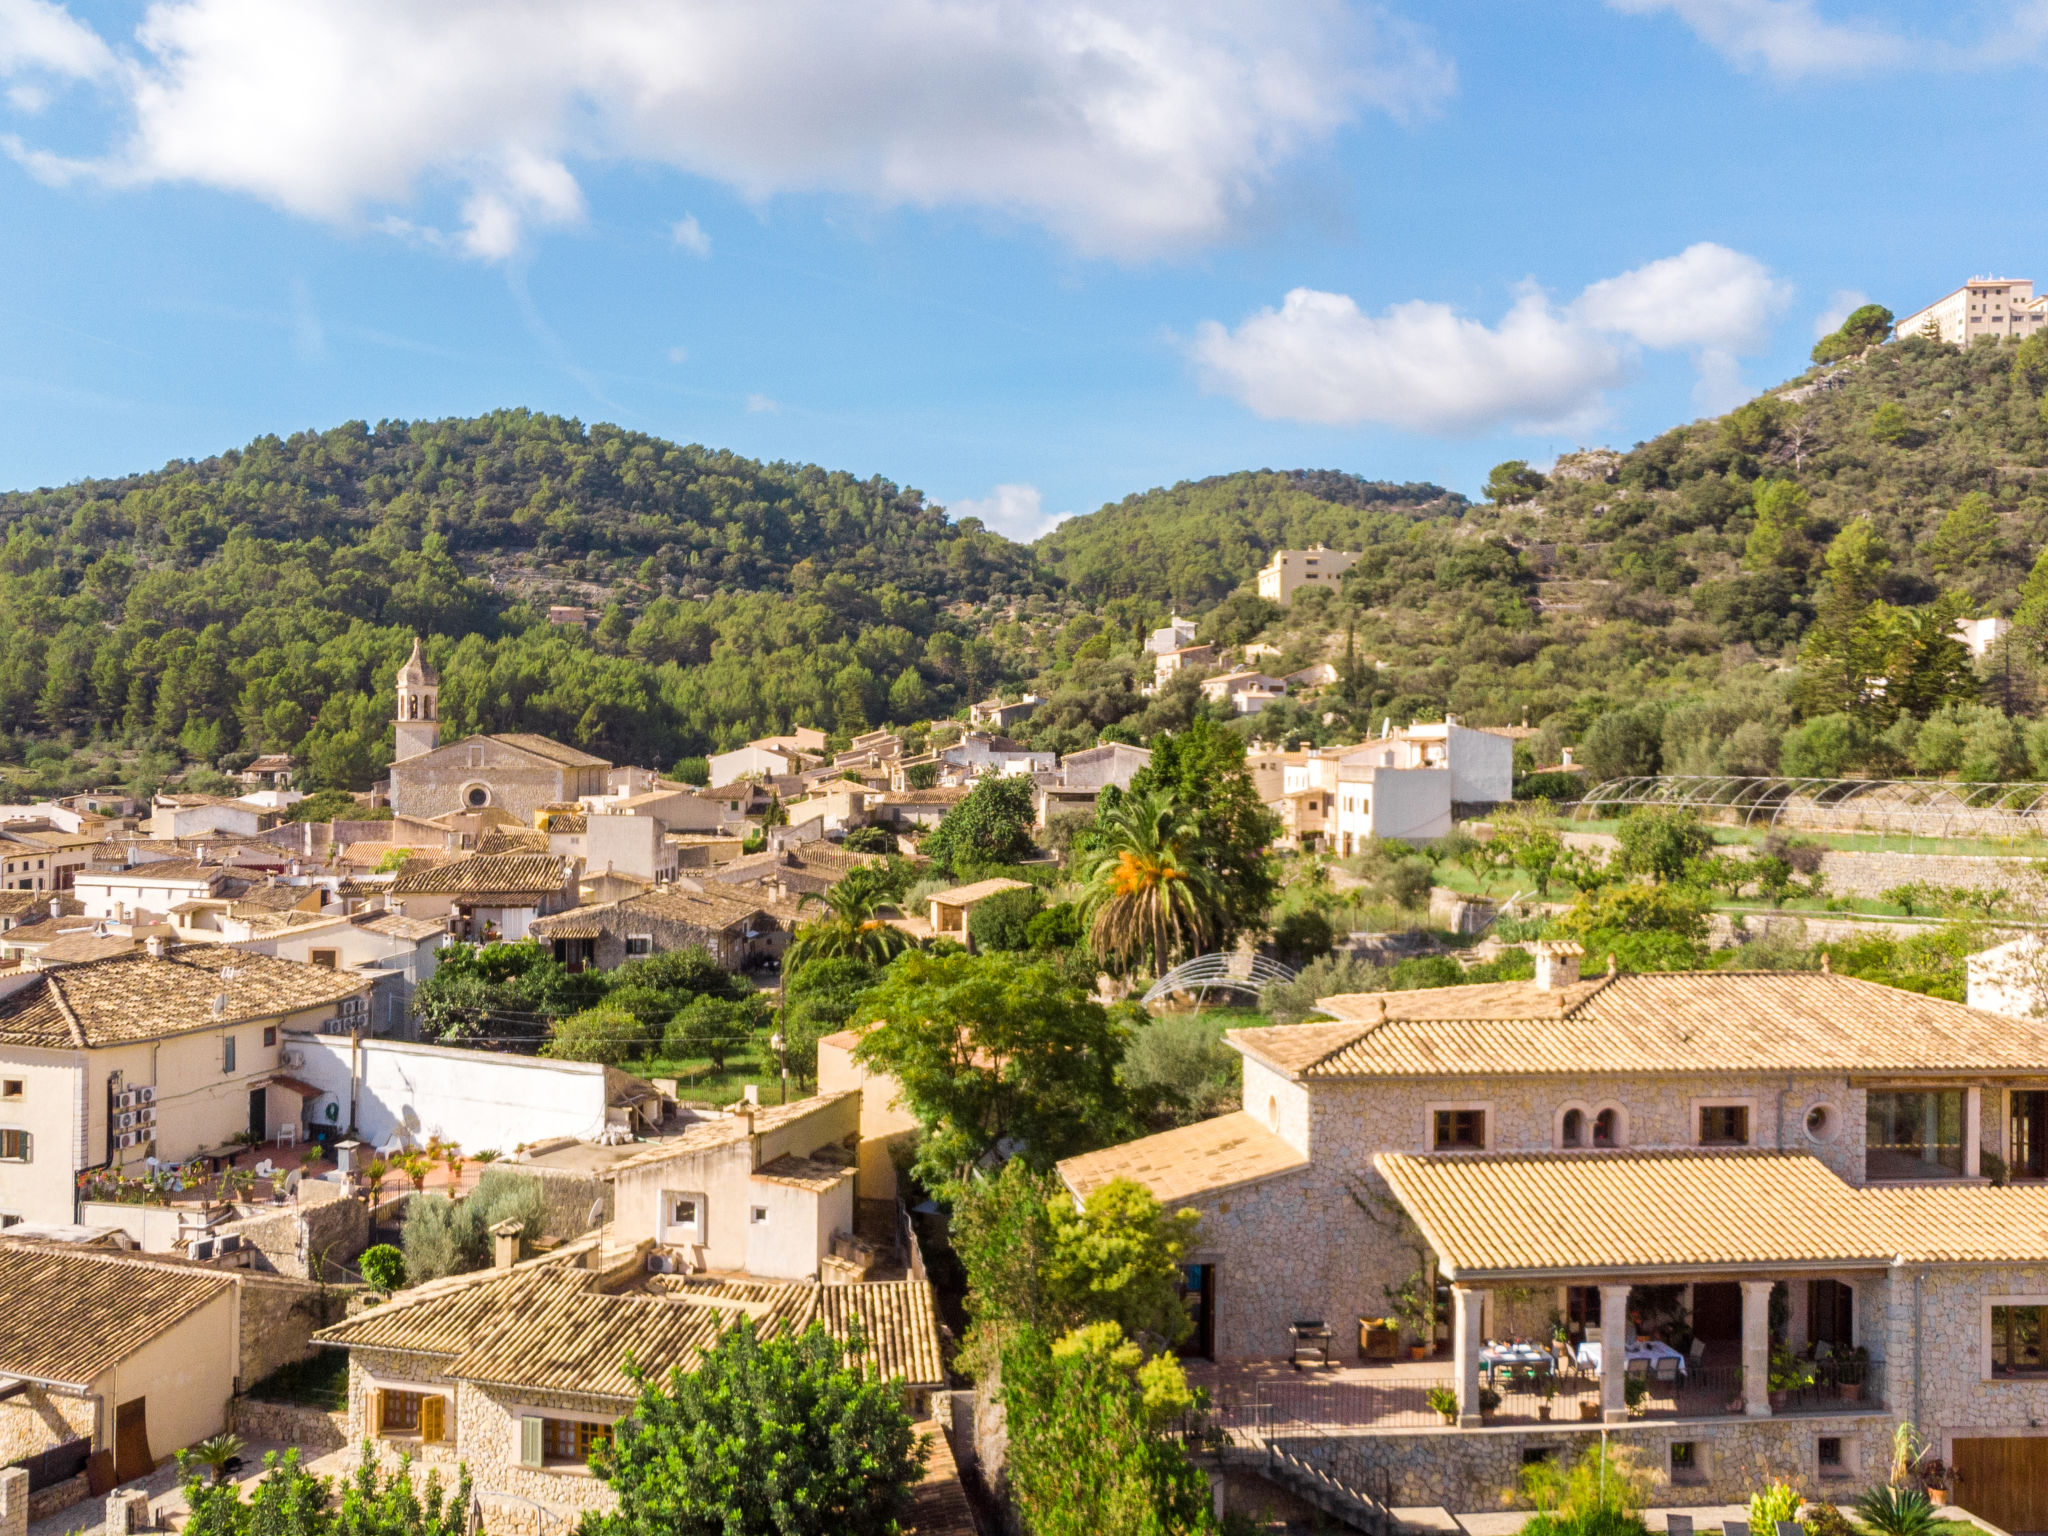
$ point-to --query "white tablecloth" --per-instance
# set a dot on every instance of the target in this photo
(1654, 1351)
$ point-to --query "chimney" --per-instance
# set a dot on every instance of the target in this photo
(505, 1243)
(1557, 964)
(153, 946)
(56, 906)
(1567, 757)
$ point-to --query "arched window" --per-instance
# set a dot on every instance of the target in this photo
(478, 796)
(1573, 1133)
(1606, 1129)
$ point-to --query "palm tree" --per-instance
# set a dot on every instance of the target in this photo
(857, 925)
(1150, 896)
(220, 1455)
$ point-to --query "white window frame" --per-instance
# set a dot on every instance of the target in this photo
(2036, 1299)
(1693, 1129)
(1487, 1140)
(645, 941)
(688, 1232)
(521, 1412)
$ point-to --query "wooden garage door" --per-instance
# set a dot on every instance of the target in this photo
(2005, 1481)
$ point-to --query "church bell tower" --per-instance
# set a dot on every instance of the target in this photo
(419, 729)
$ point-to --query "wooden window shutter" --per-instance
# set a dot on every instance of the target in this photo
(383, 1410)
(531, 1453)
(433, 1418)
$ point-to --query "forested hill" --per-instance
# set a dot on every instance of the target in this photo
(1190, 545)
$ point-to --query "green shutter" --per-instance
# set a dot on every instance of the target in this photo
(530, 1454)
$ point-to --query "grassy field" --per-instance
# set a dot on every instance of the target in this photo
(697, 1081)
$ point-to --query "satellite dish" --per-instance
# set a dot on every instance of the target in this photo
(596, 1217)
(291, 1182)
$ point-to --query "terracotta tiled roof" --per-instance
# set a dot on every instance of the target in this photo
(180, 870)
(981, 890)
(66, 1315)
(553, 751)
(552, 1329)
(717, 1133)
(938, 1504)
(518, 839)
(1614, 1212)
(397, 926)
(135, 997)
(812, 1173)
(482, 874)
(715, 910)
(1679, 1021)
(1191, 1160)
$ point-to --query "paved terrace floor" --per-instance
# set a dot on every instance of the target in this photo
(1258, 1396)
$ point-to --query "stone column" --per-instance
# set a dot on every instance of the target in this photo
(1468, 1317)
(1756, 1348)
(127, 1512)
(1614, 1353)
(14, 1501)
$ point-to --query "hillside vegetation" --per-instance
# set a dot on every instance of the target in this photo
(1716, 599)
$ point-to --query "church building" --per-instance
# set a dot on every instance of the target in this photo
(517, 774)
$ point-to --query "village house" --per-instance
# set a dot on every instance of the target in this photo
(1289, 570)
(995, 715)
(162, 1052)
(952, 910)
(792, 871)
(485, 897)
(1170, 636)
(1772, 1188)
(452, 1372)
(740, 929)
(1167, 665)
(1244, 692)
(1076, 785)
(182, 815)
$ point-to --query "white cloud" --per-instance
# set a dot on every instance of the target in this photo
(1705, 296)
(1126, 127)
(1842, 303)
(689, 235)
(37, 35)
(1789, 38)
(763, 405)
(1423, 366)
(1015, 511)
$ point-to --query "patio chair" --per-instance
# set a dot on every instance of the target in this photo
(288, 1134)
(1698, 1351)
(1678, 1525)
(1734, 1528)
(1790, 1528)
(1667, 1368)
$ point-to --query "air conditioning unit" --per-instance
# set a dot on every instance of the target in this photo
(145, 1117)
(125, 1139)
(660, 1264)
(231, 1242)
(291, 1056)
(203, 1248)
(145, 1095)
(123, 1121)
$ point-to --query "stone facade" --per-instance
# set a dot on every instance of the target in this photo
(39, 1419)
(326, 1228)
(1938, 1328)
(509, 777)
(1327, 1242)
(279, 1316)
(1479, 1469)
(311, 1429)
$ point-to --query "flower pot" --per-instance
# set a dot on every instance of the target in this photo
(1448, 1418)
(1418, 1351)
(1778, 1400)
(1937, 1495)
(1589, 1412)
(1852, 1391)
(1543, 1412)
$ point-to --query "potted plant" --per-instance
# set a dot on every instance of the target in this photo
(1936, 1478)
(1546, 1389)
(1789, 1374)
(1852, 1369)
(1489, 1401)
(1589, 1410)
(1635, 1392)
(1444, 1403)
(1414, 1303)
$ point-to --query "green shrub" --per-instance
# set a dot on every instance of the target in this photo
(1888, 1511)
(383, 1267)
(1003, 921)
(1057, 927)
(602, 1034)
(450, 1237)
(1302, 936)
(1181, 1063)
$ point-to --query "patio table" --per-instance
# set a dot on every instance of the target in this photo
(1513, 1357)
(1653, 1352)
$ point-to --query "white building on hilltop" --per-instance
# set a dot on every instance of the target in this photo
(1984, 306)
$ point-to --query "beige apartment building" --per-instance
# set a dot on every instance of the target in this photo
(1984, 306)
(1292, 569)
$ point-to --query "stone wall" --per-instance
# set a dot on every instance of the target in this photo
(1872, 874)
(311, 1429)
(327, 1228)
(38, 1419)
(567, 1195)
(487, 1433)
(1480, 1469)
(279, 1316)
(1805, 928)
(1951, 1392)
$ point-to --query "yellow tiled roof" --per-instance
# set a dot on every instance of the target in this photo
(1190, 1160)
(981, 890)
(67, 1315)
(1677, 1021)
(552, 1329)
(482, 874)
(1550, 1213)
(134, 997)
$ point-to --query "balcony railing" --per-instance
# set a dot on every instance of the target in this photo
(1340, 1406)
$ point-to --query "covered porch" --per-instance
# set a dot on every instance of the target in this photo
(1692, 1285)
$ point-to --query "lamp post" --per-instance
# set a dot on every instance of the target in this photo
(780, 1047)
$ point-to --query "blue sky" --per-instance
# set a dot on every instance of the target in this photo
(1027, 255)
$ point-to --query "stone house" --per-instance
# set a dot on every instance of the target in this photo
(1789, 1164)
(741, 929)
(161, 1052)
(519, 1373)
(1245, 692)
(486, 896)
